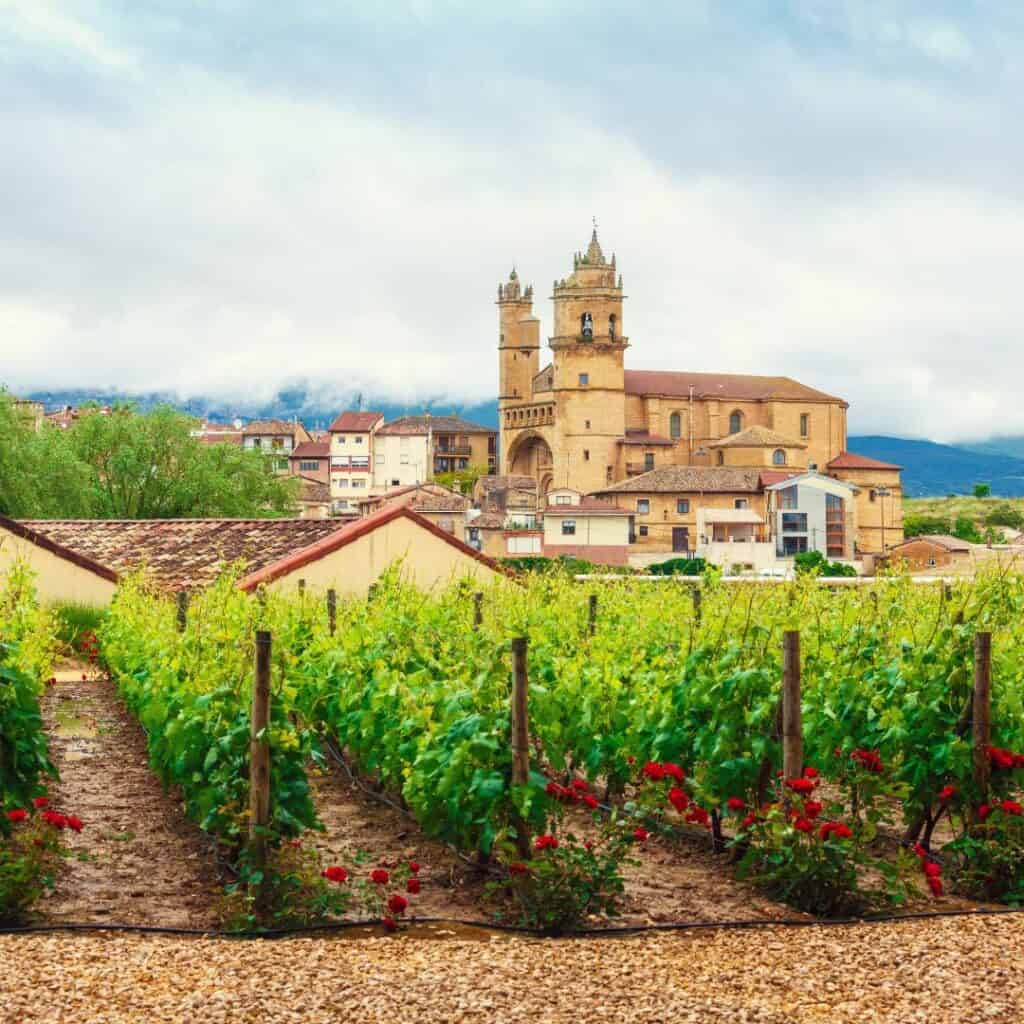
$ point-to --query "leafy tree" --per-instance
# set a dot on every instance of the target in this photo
(965, 529)
(982, 490)
(1005, 515)
(815, 563)
(462, 480)
(150, 467)
(40, 477)
(914, 526)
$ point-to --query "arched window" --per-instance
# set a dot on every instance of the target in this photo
(587, 325)
(735, 422)
(675, 425)
(778, 457)
(611, 327)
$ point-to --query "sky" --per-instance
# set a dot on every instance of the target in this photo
(226, 198)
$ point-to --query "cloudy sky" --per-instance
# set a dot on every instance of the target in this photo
(221, 197)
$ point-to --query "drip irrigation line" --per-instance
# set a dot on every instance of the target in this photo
(591, 933)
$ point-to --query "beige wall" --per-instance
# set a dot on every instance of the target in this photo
(869, 513)
(761, 457)
(601, 531)
(428, 561)
(57, 579)
(408, 464)
(663, 515)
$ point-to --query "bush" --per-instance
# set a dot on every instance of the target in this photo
(76, 623)
(965, 529)
(815, 563)
(982, 490)
(562, 564)
(678, 567)
(1005, 515)
(915, 526)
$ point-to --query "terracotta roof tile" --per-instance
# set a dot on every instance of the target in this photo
(848, 460)
(26, 531)
(283, 427)
(417, 425)
(356, 422)
(757, 437)
(739, 386)
(487, 521)
(183, 553)
(689, 479)
(311, 450)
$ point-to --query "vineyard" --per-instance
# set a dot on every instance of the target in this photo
(546, 729)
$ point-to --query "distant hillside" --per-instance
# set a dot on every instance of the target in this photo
(932, 469)
(1012, 446)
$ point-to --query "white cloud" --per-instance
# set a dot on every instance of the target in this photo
(41, 24)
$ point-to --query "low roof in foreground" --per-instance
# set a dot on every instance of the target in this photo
(689, 480)
(182, 553)
(26, 532)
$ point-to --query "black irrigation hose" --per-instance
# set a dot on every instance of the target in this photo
(611, 932)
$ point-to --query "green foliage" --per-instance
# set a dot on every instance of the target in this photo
(982, 490)
(462, 480)
(29, 857)
(965, 529)
(75, 622)
(988, 858)
(1005, 515)
(916, 525)
(562, 564)
(816, 564)
(678, 567)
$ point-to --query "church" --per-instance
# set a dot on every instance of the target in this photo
(585, 423)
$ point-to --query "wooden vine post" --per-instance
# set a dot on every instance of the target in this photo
(792, 722)
(592, 625)
(259, 759)
(182, 602)
(302, 587)
(478, 609)
(520, 737)
(697, 596)
(332, 610)
(982, 711)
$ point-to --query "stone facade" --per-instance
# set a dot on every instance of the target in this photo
(586, 422)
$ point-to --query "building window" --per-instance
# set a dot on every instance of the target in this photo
(358, 483)
(395, 483)
(643, 506)
(586, 424)
(359, 440)
(648, 460)
(675, 425)
(568, 527)
(584, 379)
(611, 327)
(720, 457)
(778, 457)
(805, 424)
(563, 499)
(794, 522)
(587, 326)
(788, 498)
(309, 467)
(586, 454)
(739, 503)
(872, 494)
(735, 422)
(608, 474)
(341, 481)
(378, 459)
(642, 530)
(257, 442)
(794, 545)
(931, 563)
(683, 506)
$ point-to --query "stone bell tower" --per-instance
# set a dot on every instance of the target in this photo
(518, 342)
(588, 348)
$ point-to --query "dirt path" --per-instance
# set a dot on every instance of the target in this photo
(951, 971)
(138, 859)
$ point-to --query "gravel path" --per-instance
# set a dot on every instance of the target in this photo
(946, 970)
(139, 859)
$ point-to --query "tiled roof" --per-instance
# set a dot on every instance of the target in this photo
(416, 425)
(182, 553)
(848, 460)
(642, 437)
(487, 521)
(943, 540)
(689, 480)
(356, 422)
(312, 490)
(311, 450)
(740, 386)
(588, 506)
(352, 532)
(435, 490)
(757, 437)
(514, 483)
(776, 476)
(264, 427)
(26, 532)
(437, 503)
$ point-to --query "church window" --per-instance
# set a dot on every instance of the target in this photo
(648, 460)
(611, 327)
(587, 326)
(683, 506)
(584, 379)
(642, 530)
(735, 422)
(805, 424)
(721, 457)
(608, 474)
(778, 457)
(739, 503)
(586, 454)
(643, 506)
(675, 425)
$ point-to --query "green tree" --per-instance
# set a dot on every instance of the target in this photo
(462, 480)
(150, 467)
(1006, 515)
(914, 526)
(965, 529)
(982, 490)
(40, 476)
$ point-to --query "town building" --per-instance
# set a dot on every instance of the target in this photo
(413, 449)
(277, 439)
(351, 447)
(443, 507)
(579, 526)
(930, 551)
(586, 422)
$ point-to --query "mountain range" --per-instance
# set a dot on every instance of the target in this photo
(930, 469)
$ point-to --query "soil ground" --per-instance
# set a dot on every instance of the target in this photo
(948, 971)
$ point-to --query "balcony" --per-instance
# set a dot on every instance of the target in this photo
(453, 449)
(636, 468)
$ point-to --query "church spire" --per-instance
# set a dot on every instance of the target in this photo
(594, 257)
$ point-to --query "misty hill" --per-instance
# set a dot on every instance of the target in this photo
(1012, 446)
(935, 470)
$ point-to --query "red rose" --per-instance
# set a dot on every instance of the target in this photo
(18, 814)
(588, 845)
(553, 789)
(1011, 807)
(1000, 758)
(518, 868)
(390, 924)
(591, 801)
(673, 771)
(697, 815)
(749, 820)
(734, 803)
(579, 785)
(397, 903)
(812, 808)
(935, 884)
(380, 876)
(947, 793)
(931, 869)
(414, 866)
(56, 820)
(545, 843)
(920, 851)
(630, 759)
(800, 785)
(40, 801)
(653, 770)
(413, 886)
(335, 874)
(984, 811)
(810, 773)
(804, 825)
(74, 823)
(641, 835)
(835, 828)
(84, 677)
(678, 799)
(869, 760)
